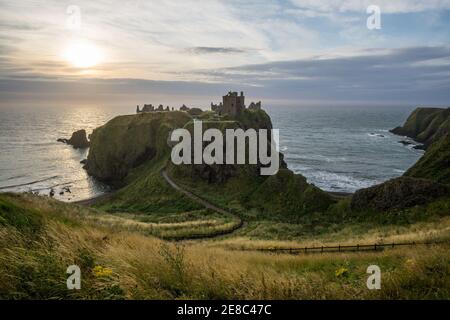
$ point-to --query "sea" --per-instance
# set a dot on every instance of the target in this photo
(337, 148)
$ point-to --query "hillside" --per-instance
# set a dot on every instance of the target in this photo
(435, 163)
(131, 151)
(41, 237)
(283, 198)
(127, 142)
(426, 125)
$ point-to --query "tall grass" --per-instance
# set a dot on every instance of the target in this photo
(205, 226)
(144, 267)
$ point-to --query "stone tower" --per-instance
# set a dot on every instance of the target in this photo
(233, 103)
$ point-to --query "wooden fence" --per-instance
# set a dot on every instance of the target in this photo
(346, 248)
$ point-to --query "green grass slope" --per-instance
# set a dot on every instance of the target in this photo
(147, 192)
(435, 163)
(130, 151)
(426, 125)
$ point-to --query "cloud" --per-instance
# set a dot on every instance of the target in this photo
(214, 50)
(19, 26)
(318, 66)
(164, 39)
(294, 49)
(418, 75)
(387, 6)
(375, 74)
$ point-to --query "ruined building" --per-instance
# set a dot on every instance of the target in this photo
(151, 108)
(145, 108)
(255, 106)
(232, 104)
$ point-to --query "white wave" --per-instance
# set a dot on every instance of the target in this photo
(337, 182)
(376, 135)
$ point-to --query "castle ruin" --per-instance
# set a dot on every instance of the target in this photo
(232, 104)
(150, 108)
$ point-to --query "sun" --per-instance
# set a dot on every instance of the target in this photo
(83, 55)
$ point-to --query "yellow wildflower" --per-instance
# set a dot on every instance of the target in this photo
(341, 272)
(100, 271)
(410, 263)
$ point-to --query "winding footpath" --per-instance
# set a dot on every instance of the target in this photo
(207, 205)
(192, 196)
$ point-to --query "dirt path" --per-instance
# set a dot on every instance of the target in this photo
(204, 203)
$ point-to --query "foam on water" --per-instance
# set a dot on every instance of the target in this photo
(344, 148)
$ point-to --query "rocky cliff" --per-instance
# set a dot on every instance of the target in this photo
(426, 125)
(126, 142)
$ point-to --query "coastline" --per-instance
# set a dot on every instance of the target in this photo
(94, 200)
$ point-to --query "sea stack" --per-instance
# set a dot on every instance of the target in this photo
(78, 140)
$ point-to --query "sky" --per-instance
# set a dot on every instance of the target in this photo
(286, 52)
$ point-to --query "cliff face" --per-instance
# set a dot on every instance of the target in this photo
(126, 142)
(247, 119)
(426, 125)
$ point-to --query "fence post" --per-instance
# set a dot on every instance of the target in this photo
(375, 246)
(393, 245)
(339, 248)
(357, 247)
